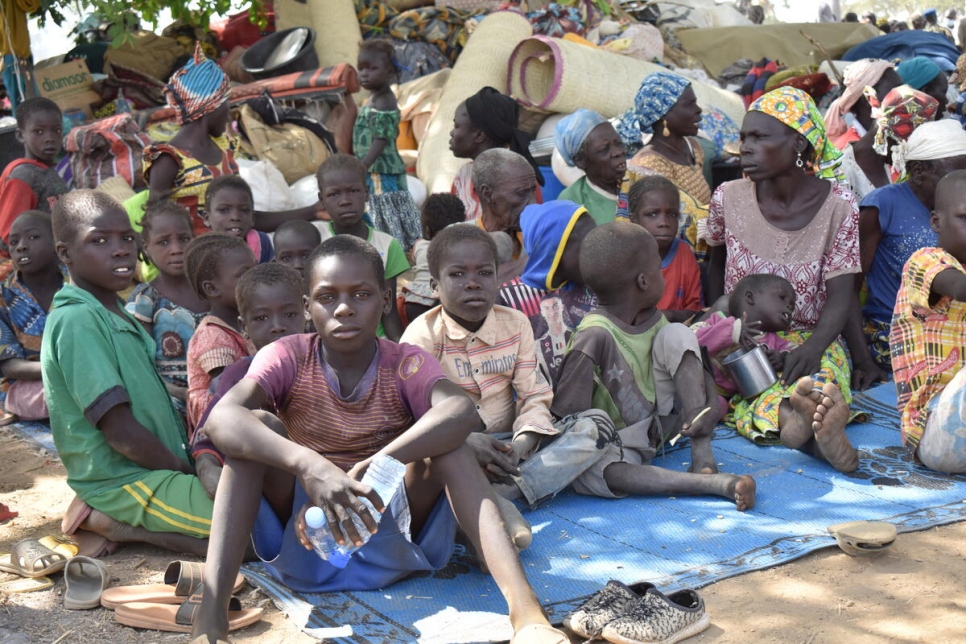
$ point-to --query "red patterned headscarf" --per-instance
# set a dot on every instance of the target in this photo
(903, 110)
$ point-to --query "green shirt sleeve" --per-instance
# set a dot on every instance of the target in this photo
(396, 262)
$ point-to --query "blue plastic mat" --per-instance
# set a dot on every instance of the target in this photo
(32, 431)
(580, 542)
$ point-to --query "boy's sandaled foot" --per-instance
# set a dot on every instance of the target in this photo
(743, 490)
(797, 430)
(702, 458)
(539, 634)
(831, 416)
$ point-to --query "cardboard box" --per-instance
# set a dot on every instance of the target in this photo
(69, 85)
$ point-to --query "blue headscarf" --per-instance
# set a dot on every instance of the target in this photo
(918, 72)
(546, 228)
(655, 98)
(571, 132)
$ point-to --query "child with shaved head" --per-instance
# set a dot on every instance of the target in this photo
(928, 336)
(121, 441)
(646, 373)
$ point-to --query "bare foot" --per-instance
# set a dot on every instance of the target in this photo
(702, 458)
(102, 524)
(742, 490)
(796, 426)
(516, 526)
(831, 416)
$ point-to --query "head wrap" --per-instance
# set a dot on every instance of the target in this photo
(903, 110)
(797, 110)
(929, 142)
(546, 229)
(198, 88)
(656, 96)
(498, 115)
(856, 77)
(571, 132)
(918, 72)
(929, 13)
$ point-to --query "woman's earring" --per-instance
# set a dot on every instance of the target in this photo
(666, 132)
(799, 163)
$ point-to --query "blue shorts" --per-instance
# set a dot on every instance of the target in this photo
(390, 555)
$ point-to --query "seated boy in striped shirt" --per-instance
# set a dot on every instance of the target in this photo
(490, 352)
(343, 396)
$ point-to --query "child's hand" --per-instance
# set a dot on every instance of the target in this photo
(750, 331)
(801, 362)
(775, 358)
(338, 496)
(700, 422)
(498, 459)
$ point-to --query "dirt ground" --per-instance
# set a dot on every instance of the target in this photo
(911, 593)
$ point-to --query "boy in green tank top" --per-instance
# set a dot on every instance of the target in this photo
(626, 359)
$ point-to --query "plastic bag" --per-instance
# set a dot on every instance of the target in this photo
(268, 185)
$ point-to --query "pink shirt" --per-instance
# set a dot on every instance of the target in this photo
(214, 345)
(352, 426)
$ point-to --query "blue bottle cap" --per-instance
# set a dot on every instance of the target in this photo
(315, 518)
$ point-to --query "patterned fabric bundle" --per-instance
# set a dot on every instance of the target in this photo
(555, 20)
(903, 110)
(757, 80)
(198, 88)
(656, 96)
(857, 76)
(797, 110)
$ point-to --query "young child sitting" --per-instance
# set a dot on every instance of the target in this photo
(231, 209)
(269, 307)
(646, 373)
(928, 336)
(343, 193)
(25, 299)
(294, 242)
(31, 183)
(213, 264)
(121, 441)
(168, 307)
(551, 291)
(759, 307)
(440, 210)
(489, 352)
(344, 396)
(655, 204)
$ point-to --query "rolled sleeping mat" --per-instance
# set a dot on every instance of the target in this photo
(482, 63)
(561, 76)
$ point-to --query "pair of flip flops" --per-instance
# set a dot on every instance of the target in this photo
(858, 538)
(171, 606)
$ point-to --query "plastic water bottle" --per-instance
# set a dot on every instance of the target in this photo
(384, 475)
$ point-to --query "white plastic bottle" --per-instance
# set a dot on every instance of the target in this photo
(385, 475)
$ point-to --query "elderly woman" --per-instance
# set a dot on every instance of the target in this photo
(485, 121)
(666, 107)
(894, 221)
(849, 116)
(786, 219)
(924, 74)
(866, 163)
(505, 184)
(588, 141)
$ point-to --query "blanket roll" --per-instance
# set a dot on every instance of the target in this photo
(482, 63)
(561, 76)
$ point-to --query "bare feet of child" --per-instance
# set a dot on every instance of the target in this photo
(743, 490)
(831, 416)
(699, 424)
(795, 423)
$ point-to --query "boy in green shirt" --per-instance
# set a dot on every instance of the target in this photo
(121, 442)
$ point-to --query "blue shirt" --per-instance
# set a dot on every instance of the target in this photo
(904, 221)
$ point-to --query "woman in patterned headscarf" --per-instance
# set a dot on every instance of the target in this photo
(201, 150)
(666, 108)
(791, 217)
(866, 162)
